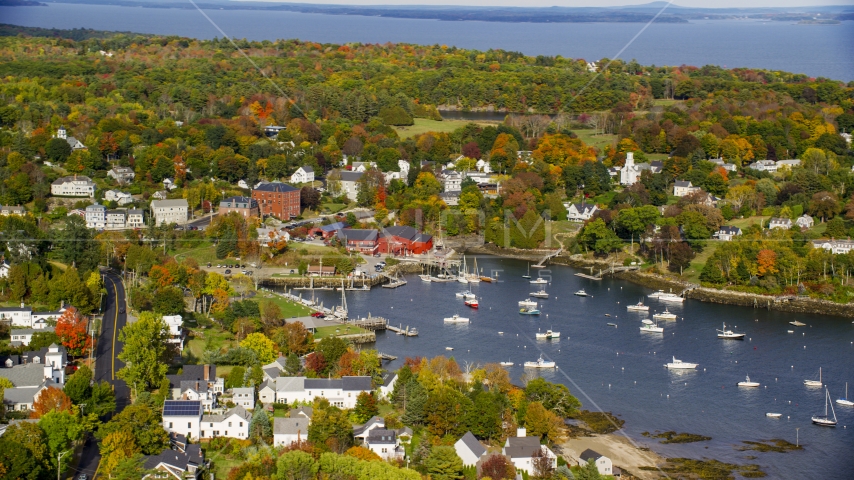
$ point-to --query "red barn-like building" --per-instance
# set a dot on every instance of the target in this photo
(404, 240)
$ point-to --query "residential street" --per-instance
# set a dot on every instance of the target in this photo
(106, 363)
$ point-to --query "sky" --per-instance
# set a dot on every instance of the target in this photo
(583, 3)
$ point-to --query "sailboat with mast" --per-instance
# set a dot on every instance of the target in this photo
(462, 274)
(528, 275)
(473, 277)
(814, 383)
(341, 310)
(825, 420)
(844, 400)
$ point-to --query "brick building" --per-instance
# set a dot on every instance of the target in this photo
(277, 199)
(403, 240)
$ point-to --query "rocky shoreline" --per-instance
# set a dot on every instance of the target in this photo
(791, 304)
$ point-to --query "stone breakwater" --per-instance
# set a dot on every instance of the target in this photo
(789, 303)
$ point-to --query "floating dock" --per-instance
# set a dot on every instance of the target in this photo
(408, 332)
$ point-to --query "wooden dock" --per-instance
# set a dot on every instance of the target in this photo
(589, 277)
(386, 357)
(408, 332)
(370, 323)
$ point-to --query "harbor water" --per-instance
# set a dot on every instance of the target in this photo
(620, 369)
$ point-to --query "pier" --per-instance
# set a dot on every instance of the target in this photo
(386, 357)
(370, 323)
(408, 332)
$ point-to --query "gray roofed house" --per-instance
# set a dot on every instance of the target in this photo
(177, 464)
(278, 187)
(194, 373)
(580, 212)
(356, 383)
(289, 430)
(521, 450)
(363, 240)
(302, 412)
(22, 398)
(28, 375)
(469, 449)
(243, 396)
(349, 183)
(238, 411)
(362, 431)
(727, 232)
(603, 463)
(384, 443)
(23, 336)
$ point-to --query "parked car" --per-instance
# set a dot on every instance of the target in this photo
(318, 315)
(377, 255)
(209, 264)
(228, 272)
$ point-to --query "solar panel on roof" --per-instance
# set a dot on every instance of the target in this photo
(181, 408)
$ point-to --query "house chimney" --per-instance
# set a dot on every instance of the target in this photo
(520, 432)
(206, 369)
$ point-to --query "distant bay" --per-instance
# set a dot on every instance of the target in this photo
(814, 50)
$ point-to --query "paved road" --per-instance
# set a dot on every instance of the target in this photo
(106, 363)
(201, 223)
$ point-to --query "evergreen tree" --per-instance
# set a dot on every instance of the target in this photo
(366, 407)
(259, 426)
(414, 401)
(292, 364)
(590, 471)
(404, 375)
(444, 464)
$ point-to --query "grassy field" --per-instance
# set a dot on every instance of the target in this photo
(743, 223)
(697, 264)
(560, 229)
(288, 309)
(423, 125)
(599, 141)
(331, 331)
(333, 207)
(204, 254)
(209, 338)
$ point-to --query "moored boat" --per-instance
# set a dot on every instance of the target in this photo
(529, 311)
(670, 297)
(814, 383)
(539, 281)
(425, 278)
(650, 327)
(547, 335)
(527, 303)
(638, 307)
(747, 382)
(773, 415)
(541, 363)
(540, 294)
(473, 303)
(825, 420)
(844, 400)
(729, 334)
(581, 293)
(665, 315)
(456, 319)
(506, 364)
(677, 364)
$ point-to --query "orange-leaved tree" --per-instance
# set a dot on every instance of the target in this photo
(50, 399)
(767, 261)
(71, 330)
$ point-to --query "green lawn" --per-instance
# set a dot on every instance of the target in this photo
(204, 254)
(208, 338)
(288, 309)
(423, 125)
(697, 264)
(743, 223)
(599, 141)
(333, 207)
(331, 331)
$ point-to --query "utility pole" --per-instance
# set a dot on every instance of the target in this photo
(59, 464)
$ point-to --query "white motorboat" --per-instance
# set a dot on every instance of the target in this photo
(539, 281)
(548, 335)
(449, 348)
(506, 364)
(540, 363)
(729, 334)
(665, 315)
(814, 383)
(425, 278)
(797, 323)
(773, 415)
(581, 293)
(844, 400)
(639, 307)
(747, 382)
(456, 319)
(825, 420)
(670, 297)
(540, 294)
(650, 327)
(467, 295)
(527, 303)
(677, 364)
(656, 294)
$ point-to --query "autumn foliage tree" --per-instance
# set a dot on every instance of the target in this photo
(49, 400)
(71, 330)
(497, 467)
(766, 262)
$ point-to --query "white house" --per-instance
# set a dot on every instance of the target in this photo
(21, 399)
(682, 188)
(170, 211)
(169, 184)
(451, 199)
(244, 397)
(580, 212)
(362, 167)
(46, 363)
(385, 443)
(304, 174)
(788, 164)
(183, 417)
(233, 424)
(631, 172)
(361, 432)
(778, 222)
(289, 430)
(4, 268)
(451, 180)
(24, 336)
(116, 219)
(764, 166)
(483, 166)
(271, 235)
(730, 167)
(96, 216)
(176, 463)
(17, 317)
(726, 233)
(349, 184)
(805, 221)
(521, 449)
(469, 449)
(6, 210)
(603, 463)
(121, 198)
(836, 247)
(847, 138)
(73, 186)
(389, 380)
(341, 392)
(175, 322)
(136, 218)
(122, 174)
(160, 195)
